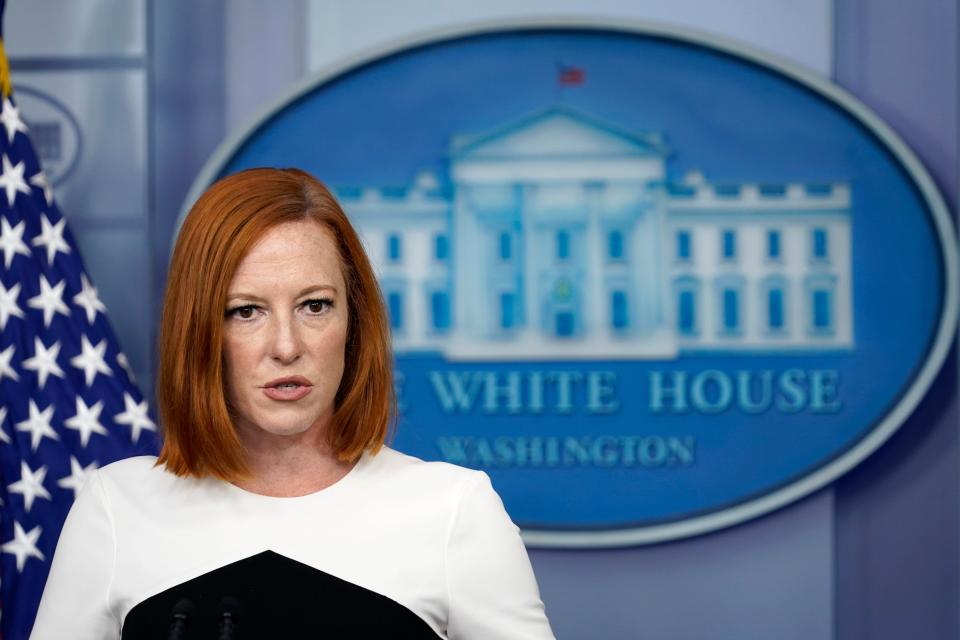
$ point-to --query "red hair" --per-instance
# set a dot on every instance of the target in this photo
(223, 225)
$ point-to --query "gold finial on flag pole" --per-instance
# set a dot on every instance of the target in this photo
(5, 85)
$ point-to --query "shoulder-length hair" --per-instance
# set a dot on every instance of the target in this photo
(224, 224)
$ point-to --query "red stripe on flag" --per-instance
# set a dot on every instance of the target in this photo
(571, 76)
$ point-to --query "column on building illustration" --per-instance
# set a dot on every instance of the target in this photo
(438, 287)
(622, 263)
(489, 243)
(559, 231)
(615, 235)
(637, 212)
(504, 235)
(686, 280)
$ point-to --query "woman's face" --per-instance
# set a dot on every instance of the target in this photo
(285, 328)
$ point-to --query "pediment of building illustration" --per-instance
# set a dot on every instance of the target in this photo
(554, 133)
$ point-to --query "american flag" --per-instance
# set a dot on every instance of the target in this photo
(68, 400)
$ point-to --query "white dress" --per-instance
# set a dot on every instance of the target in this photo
(424, 549)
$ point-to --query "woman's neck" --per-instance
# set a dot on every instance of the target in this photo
(289, 466)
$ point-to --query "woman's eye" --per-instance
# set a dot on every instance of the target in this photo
(318, 306)
(244, 313)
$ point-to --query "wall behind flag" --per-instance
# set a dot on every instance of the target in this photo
(81, 75)
(155, 86)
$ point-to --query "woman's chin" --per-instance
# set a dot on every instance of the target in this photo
(276, 429)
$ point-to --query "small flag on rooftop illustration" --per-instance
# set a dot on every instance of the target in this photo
(68, 402)
(568, 76)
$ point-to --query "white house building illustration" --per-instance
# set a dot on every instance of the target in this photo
(562, 237)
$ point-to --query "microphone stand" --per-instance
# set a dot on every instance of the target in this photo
(179, 619)
(228, 612)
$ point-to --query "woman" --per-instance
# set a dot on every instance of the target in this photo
(274, 506)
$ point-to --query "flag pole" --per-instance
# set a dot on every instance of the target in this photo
(5, 87)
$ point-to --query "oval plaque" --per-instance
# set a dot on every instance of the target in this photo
(653, 283)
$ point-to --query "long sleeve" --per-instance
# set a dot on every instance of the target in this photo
(75, 599)
(492, 591)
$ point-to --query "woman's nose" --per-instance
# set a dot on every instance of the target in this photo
(286, 345)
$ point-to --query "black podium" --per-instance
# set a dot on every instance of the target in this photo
(270, 596)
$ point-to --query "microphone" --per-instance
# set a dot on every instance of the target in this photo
(179, 618)
(228, 613)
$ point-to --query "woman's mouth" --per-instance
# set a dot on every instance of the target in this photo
(287, 389)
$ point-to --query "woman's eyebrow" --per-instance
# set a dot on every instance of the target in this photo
(310, 289)
(244, 296)
(317, 287)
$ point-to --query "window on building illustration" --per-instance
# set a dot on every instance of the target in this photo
(729, 248)
(395, 309)
(615, 244)
(441, 249)
(440, 310)
(394, 247)
(775, 309)
(508, 311)
(773, 245)
(687, 312)
(565, 323)
(822, 309)
(731, 309)
(820, 244)
(563, 245)
(506, 246)
(684, 249)
(618, 310)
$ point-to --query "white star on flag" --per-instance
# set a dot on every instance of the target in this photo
(11, 241)
(91, 360)
(30, 485)
(134, 415)
(78, 475)
(87, 298)
(11, 180)
(5, 369)
(50, 299)
(10, 117)
(51, 237)
(3, 434)
(39, 179)
(86, 421)
(8, 304)
(125, 363)
(44, 361)
(23, 545)
(38, 424)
